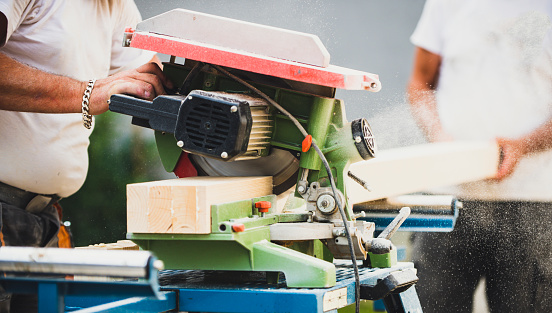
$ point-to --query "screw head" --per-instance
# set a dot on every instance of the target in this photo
(326, 204)
(233, 109)
(180, 143)
(224, 155)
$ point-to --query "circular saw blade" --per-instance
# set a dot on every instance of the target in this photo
(280, 164)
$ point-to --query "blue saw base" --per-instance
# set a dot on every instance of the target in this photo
(215, 291)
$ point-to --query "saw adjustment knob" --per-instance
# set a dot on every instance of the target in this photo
(263, 206)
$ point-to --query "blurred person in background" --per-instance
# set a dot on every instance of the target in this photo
(60, 61)
(483, 71)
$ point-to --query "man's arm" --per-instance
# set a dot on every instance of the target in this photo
(422, 101)
(421, 94)
(28, 89)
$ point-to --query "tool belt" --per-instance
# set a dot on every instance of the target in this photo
(29, 201)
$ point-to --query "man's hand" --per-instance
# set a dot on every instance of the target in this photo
(28, 89)
(146, 82)
(511, 152)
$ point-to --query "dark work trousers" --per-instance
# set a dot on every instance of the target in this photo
(507, 243)
(19, 227)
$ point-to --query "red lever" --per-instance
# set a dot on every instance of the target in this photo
(307, 142)
(238, 228)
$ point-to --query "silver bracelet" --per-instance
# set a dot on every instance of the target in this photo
(86, 117)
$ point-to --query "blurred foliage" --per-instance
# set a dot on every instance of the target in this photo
(119, 154)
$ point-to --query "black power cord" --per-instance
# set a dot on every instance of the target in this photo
(326, 165)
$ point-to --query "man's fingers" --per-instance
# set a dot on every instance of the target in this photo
(153, 68)
(145, 82)
(510, 156)
(506, 167)
(152, 80)
(134, 87)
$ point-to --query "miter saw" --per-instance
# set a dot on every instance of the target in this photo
(254, 100)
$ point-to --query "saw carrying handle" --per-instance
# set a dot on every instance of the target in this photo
(161, 114)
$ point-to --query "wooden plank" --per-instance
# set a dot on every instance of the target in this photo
(183, 206)
(417, 168)
(234, 34)
(119, 245)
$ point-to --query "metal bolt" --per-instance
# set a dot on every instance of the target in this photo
(233, 109)
(373, 85)
(358, 139)
(326, 204)
(180, 143)
(301, 189)
(190, 98)
(224, 155)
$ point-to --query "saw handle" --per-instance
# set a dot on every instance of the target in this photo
(391, 229)
(382, 244)
(160, 115)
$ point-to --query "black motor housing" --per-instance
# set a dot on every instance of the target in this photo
(213, 125)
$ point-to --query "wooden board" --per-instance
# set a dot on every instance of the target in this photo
(119, 245)
(417, 168)
(183, 206)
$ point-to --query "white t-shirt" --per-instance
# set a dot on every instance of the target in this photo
(81, 39)
(495, 81)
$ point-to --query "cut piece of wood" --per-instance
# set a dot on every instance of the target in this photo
(119, 245)
(417, 168)
(183, 206)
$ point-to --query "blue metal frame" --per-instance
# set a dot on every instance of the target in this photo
(76, 304)
(415, 222)
(252, 299)
(52, 291)
(192, 293)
